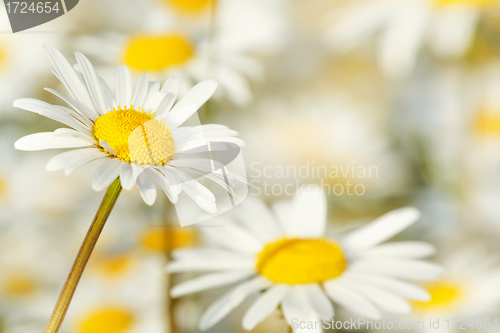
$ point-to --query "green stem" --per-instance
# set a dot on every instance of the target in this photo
(107, 204)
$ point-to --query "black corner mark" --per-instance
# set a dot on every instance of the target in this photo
(26, 14)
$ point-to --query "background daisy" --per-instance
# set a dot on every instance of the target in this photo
(288, 257)
(403, 28)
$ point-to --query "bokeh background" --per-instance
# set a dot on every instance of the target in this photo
(384, 103)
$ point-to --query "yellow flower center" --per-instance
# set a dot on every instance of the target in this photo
(3, 187)
(167, 239)
(476, 3)
(19, 285)
(146, 53)
(444, 295)
(189, 6)
(2, 57)
(487, 123)
(114, 266)
(106, 320)
(301, 261)
(135, 137)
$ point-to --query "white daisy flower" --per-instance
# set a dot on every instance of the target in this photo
(134, 134)
(123, 293)
(287, 255)
(403, 27)
(163, 46)
(468, 291)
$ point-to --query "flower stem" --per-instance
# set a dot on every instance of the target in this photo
(107, 204)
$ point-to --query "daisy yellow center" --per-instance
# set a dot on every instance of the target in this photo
(106, 320)
(487, 123)
(477, 3)
(444, 294)
(2, 57)
(189, 6)
(19, 285)
(3, 187)
(135, 137)
(167, 239)
(301, 261)
(149, 53)
(114, 266)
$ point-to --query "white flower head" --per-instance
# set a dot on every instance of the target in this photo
(219, 44)
(403, 28)
(134, 134)
(286, 254)
(468, 290)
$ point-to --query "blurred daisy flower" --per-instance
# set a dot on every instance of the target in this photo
(287, 255)
(162, 46)
(468, 290)
(403, 27)
(124, 293)
(134, 134)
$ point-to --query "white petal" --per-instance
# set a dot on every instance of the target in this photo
(234, 238)
(350, 299)
(190, 103)
(49, 140)
(208, 281)
(284, 214)
(381, 229)
(83, 116)
(264, 306)
(309, 212)
(296, 305)
(404, 269)
(210, 265)
(172, 180)
(177, 116)
(355, 23)
(258, 219)
(197, 192)
(124, 86)
(385, 300)
(402, 40)
(141, 91)
(74, 134)
(410, 250)
(93, 84)
(207, 252)
(108, 95)
(148, 195)
(106, 174)
(52, 112)
(231, 300)
(165, 105)
(198, 95)
(127, 176)
(235, 85)
(454, 30)
(171, 85)
(77, 157)
(320, 303)
(399, 287)
(66, 74)
(161, 180)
